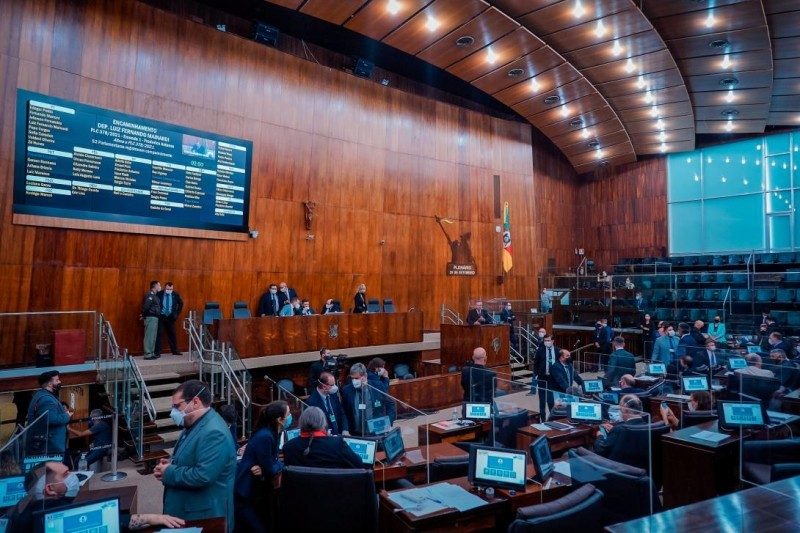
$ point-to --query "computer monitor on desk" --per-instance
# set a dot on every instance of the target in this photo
(542, 459)
(477, 411)
(592, 386)
(288, 435)
(744, 415)
(393, 445)
(754, 349)
(497, 467)
(365, 449)
(657, 369)
(694, 383)
(379, 426)
(736, 362)
(586, 412)
(12, 490)
(98, 515)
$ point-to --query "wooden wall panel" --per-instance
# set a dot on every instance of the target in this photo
(624, 214)
(379, 163)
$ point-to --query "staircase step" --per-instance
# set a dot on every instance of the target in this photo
(521, 373)
(161, 376)
(162, 404)
(161, 387)
(526, 380)
(170, 437)
(162, 423)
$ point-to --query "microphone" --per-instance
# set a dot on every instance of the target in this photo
(577, 343)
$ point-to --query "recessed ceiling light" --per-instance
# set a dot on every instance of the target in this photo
(729, 125)
(662, 136)
(515, 73)
(710, 20)
(729, 96)
(586, 133)
(648, 96)
(654, 111)
(726, 62)
(393, 7)
(576, 122)
(617, 48)
(552, 99)
(663, 147)
(660, 124)
(578, 10)
(466, 40)
(640, 83)
(535, 85)
(598, 153)
(490, 55)
(433, 23)
(564, 110)
(600, 30)
(630, 66)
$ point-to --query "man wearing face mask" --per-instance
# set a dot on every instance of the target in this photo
(629, 414)
(171, 307)
(562, 375)
(664, 347)
(306, 309)
(378, 378)
(507, 316)
(51, 485)
(360, 402)
(330, 307)
(285, 293)
(620, 363)
(706, 360)
(538, 339)
(269, 304)
(543, 361)
(716, 330)
(326, 397)
(48, 435)
(151, 311)
(199, 481)
(290, 308)
(100, 431)
(478, 316)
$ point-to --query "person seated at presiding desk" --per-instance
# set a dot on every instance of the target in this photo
(256, 471)
(330, 307)
(627, 385)
(360, 402)
(479, 315)
(698, 401)
(269, 304)
(306, 309)
(620, 362)
(665, 346)
(51, 485)
(753, 367)
(290, 308)
(630, 412)
(326, 397)
(314, 447)
(477, 381)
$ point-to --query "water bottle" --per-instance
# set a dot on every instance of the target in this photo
(83, 466)
(454, 416)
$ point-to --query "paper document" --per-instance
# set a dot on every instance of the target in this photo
(426, 500)
(415, 456)
(541, 427)
(416, 502)
(710, 436)
(446, 424)
(455, 496)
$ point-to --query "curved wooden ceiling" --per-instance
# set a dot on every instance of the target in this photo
(605, 80)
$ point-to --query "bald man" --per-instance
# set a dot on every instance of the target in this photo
(477, 380)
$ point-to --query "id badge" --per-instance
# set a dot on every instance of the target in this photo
(377, 403)
(362, 406)
(333, 417)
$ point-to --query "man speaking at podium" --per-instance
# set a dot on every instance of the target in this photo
(479, 315)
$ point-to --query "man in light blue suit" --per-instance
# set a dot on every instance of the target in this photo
(198, 482)
(664, 347)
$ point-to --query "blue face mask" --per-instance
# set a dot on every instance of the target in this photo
(288, 422)
(178, 416)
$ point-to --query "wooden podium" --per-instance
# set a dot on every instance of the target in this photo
(457, 343)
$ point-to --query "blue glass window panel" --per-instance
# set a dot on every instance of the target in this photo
(779, 233)
(734, 224)
(684, 176)
(778, 201)
(777, 144)
(685, 228)
(732, 169)
(779, 172)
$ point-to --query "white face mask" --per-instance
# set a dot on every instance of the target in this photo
(671, 333)
(333, 390)
(541, 334)
(357, 383)
(72, 483)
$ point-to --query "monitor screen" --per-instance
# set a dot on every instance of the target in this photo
(379, 425)
(496, 467)
(364, 449)
(586, 412)
(657, 369)
(32, 460)
(393, 445)
(12, 490)
(741, 415)
(288, 435)
(610, 397)
(693, 383)
(591, 386)
(753, 349)
(563, 397)
(99, 515)
(736, 362)
(478, 411)
(542, 460)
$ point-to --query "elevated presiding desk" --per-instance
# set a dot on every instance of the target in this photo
(458, 342)
(261, 336)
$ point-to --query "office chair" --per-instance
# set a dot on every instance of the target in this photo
(402, 371)
(373, 305)
(240, 309)
(388, 305)
(694, 418)
(580, 510)
(211, 312)
(285, 386)
(760, 387)
(342, 499)
(765, 461)
(506, 426)
(640, 446)
(628, 491)
(449, 467)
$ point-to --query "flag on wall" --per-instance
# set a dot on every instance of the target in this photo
(508, 261)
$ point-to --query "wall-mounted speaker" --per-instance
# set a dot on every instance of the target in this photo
(363, 68)
(266, 34)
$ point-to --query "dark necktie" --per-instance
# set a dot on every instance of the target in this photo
(275, 304)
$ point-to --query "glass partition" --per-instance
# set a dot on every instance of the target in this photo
(52, 338)
(280, 390)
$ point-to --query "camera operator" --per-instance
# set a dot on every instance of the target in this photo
(327, 363)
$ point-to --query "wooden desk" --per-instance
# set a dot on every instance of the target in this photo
(457, 343)
(791, 403)
(261, 336)
(696, 470)
(560, 441)
(773, 507)
(208, 525)
(646, 382)
(416, 471)
(469, 432)
(127, 495)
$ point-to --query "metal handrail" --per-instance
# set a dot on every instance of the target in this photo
(147, 400)
(577, 352)
(728, 299)
(236, 384)
(450, 315)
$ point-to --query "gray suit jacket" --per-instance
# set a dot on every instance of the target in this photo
(199, 482)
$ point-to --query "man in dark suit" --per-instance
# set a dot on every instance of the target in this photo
(544, 359)
(562, 375)
(775, 341)
(631, 412)
(171, 307)
(697, 332)
(706, 360)
(627, 385)
(479, 315)
(787, 371)
(477, 381)
(602, 339)
(326, 397)
(687, 345)
(621, 362)
(507, 316)
(269, 304)
(285, 294)
(761, 320)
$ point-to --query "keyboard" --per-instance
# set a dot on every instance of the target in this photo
(678, 396)
(558, 425)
